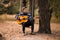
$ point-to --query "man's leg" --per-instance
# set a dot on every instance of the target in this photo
(23, 29)
(32, 27)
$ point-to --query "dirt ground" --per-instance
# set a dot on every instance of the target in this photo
(12, 31)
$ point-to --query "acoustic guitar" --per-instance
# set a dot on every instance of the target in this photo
(23, 19)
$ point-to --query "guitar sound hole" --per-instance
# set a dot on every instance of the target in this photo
(24, 18)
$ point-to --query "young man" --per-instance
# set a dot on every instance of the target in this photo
(30, 21)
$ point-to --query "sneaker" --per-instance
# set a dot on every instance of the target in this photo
(32, 33)
(24, 34)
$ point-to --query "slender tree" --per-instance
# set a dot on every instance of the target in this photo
(32, 7)
(24, 3)
(45, 16)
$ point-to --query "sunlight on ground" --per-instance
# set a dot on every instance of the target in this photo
(12, 31)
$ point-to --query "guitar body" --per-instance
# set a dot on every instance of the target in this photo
(22, 19)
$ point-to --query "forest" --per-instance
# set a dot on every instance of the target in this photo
(13, 7)
(46, 15)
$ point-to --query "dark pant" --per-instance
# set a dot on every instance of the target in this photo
(27, 24)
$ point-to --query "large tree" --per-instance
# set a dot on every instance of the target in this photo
(45, 16)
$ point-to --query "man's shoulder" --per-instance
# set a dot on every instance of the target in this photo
(29, 13)
(21, 13)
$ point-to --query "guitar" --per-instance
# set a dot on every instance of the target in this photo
(22, 19)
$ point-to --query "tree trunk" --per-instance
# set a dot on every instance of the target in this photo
(24, 3)
(45, 16)
(32, 7)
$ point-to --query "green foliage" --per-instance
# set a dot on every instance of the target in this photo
(16, 6)
(6, 1)
(12, 9)
(56, 7)
(1, 9)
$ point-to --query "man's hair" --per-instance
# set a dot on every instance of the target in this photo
(23, 8)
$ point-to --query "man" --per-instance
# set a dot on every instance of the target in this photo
(30, 21)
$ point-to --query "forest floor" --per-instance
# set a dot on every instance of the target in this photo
(12, 31)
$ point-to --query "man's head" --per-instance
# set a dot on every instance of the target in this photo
(25, 9)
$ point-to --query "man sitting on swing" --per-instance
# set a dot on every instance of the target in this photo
(30, 21)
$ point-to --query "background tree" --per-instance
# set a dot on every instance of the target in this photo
(32, 6)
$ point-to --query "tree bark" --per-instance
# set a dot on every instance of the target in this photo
(24, 3)
(45, 16)
(32, 7)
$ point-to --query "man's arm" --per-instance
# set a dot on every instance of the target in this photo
(30, 17)
(17, 15)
